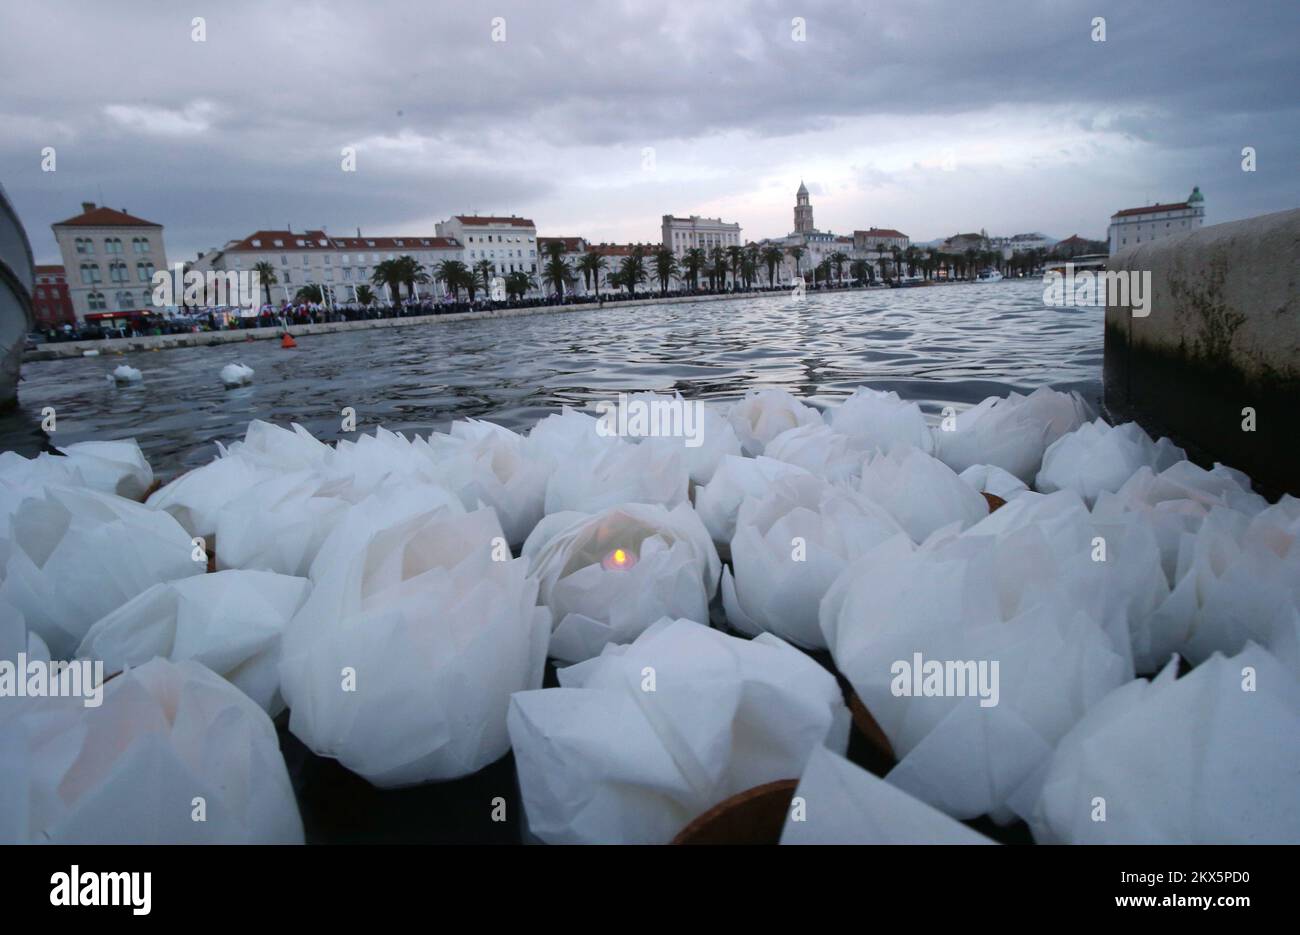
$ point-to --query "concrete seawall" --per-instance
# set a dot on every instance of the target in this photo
(65, 349)
(1216, 363)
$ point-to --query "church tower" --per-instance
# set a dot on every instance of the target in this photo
(803, 218)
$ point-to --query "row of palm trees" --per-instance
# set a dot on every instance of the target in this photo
(718, 267)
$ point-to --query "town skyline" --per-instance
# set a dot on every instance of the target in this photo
(891, 120)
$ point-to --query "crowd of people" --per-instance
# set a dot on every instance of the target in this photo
(305, 313)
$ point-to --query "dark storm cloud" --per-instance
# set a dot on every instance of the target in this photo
(245, 130)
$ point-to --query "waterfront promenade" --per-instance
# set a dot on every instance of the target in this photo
(66, 349)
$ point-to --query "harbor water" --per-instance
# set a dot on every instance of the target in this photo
(945, 345)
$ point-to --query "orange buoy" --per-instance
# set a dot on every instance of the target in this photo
(288, 341)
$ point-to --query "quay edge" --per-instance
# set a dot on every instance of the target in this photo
(1222, 339)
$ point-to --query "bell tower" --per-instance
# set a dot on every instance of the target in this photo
(803, 216)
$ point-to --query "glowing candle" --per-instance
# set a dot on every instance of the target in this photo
(619, 559)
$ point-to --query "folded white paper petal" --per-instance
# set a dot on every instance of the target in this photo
(820, 450)
(921, 492)
(974, 654)
(125, 373)
(236, 374)
(701, 433)
(989, 478)
(270, 446)
(570, 434)
(1209, 758)
(619, 473)
(719, 501)
(197, 497)
(15, 638)
(76, 554)
(230, 622)
(839, 803)
(116, 467)
(1236, 580)
(645, 737)
(1011, 432)
(1097, 456)
(790, 545)
(879, 420)
(492, 466)
(764, 414)
(170, 739)
(402, 661)
(608, 576)
(280, 524)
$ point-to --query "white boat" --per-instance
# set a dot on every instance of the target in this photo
(16, 317)
(988, 275)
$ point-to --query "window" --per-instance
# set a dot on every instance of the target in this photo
(113, 245)
(306, 260)
(96, 301)
(144, 271)
(284, 260)
(85, 245)
(89, 273)
(117, 272)
(328, 259)
(288, 277)
(257, 243)
(278, 243)
(301, 242)
(125, 299)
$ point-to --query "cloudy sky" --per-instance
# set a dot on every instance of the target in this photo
(596, 118)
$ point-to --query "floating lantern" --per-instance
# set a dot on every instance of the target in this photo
(618, 560)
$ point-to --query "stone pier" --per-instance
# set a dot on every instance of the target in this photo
(1216, 363)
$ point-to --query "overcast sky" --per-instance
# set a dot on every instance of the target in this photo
(595, 119)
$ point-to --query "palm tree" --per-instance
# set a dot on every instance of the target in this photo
(837, 260)
(310, 293)
(665, 267)
(797, 253)
(735, 259)
(860, 270)
(365, 295)
(718, 270)
(485, 270)
(390, 274)
(693, 261)
(266, 276)
(409, 272)
(631, 273)
(556, 271)
(970, 261)
(518, 283)
(771, 256)
(897, 254)
(823, 270)
(749, 265)
(455, 274)
(590, 264)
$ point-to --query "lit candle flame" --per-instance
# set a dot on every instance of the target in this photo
(618, 559)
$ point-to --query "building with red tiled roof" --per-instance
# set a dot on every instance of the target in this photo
(51, 301)
(110, 257)
(315, 258)
(509, 244)
(1133, 226)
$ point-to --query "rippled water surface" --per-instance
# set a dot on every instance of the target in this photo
(939, 345)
